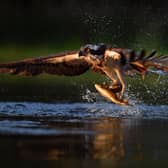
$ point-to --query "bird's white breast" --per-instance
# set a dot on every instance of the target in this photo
(114, 55)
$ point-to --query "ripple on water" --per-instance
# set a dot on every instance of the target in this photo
(30, 118)
(81, 110)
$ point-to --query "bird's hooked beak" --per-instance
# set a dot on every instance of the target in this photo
(84, 51)
(81, 53)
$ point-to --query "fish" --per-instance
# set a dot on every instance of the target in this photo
(110, 95)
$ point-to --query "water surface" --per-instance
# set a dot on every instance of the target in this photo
(50, 118)
(99, 130)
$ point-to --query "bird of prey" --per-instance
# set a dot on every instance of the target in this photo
(115, 63)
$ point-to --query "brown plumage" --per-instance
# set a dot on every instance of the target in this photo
(141, 62)
(67, 63)
(112, 62)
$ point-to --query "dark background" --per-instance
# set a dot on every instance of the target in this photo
(129, 23)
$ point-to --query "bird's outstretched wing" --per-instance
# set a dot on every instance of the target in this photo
(67, 63)
(141, 62)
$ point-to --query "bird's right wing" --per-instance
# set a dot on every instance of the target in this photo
(67, 63)
(141, 62)
(144, 62)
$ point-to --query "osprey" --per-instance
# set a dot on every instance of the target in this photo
(115, 63)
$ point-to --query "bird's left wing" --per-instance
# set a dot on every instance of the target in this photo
(67, 63)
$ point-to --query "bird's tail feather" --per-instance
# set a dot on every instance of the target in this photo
(142, 62)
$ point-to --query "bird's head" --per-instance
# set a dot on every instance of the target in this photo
(93, 53)
(90, 49)
(84, 51)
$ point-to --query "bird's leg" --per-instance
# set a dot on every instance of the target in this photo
(115, 86)
(122, 81)
(114, 79)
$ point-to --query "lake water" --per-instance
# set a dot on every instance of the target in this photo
(84, 134)
(64, 119)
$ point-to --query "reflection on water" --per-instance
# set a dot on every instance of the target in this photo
(85, 139)
(109, 143)
(83, 131)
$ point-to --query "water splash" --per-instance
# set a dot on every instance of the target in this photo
(80, 110)
(89, 96)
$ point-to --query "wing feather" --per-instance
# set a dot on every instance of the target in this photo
(140, 61)
(67, 63)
